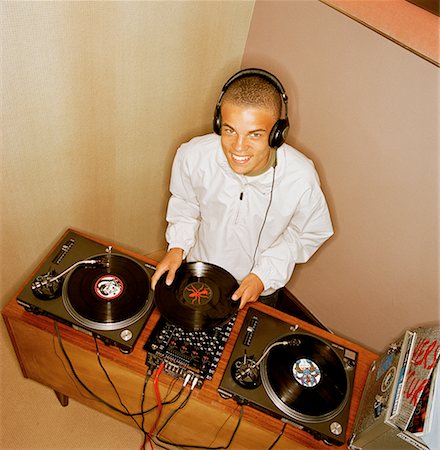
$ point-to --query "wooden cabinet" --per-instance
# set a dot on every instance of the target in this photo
(207, 420)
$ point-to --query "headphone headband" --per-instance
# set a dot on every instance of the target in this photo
(259, 73)
(279, 131)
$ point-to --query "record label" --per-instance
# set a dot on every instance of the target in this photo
(306, 372)
(197, 293)
(109, 287)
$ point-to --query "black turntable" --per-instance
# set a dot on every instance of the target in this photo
(292, 375)
(92, 288)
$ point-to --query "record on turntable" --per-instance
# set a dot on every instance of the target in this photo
(199, 297)
(305, 379)
(107, 298)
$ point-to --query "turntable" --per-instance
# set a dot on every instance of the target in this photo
(292, 375)
(94, 289)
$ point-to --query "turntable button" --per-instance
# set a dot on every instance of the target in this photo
(126, 335)
(336, 428)
(350, 364)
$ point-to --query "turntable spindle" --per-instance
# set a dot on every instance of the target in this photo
(108, 257)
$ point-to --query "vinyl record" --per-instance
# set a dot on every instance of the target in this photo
(107, 298)
(199, 297)
(306, 378)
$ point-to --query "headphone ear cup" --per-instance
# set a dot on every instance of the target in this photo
(217, 122)
(278, 134)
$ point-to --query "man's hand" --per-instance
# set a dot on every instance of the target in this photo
(249, 291)
(170, 263)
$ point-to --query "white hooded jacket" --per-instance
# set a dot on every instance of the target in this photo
(216, 215)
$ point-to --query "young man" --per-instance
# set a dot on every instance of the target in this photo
(244, 200)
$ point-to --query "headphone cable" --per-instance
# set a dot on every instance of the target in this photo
(266, 214)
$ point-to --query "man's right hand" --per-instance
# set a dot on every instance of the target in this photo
(170, 263)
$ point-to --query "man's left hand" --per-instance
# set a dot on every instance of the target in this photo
(249, 291)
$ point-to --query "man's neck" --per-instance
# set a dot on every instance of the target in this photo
(270, 163)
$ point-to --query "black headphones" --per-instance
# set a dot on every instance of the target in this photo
(279, 131)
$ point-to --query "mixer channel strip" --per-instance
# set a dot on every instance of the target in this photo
(190, 356)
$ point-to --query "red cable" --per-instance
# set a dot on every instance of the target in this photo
(159, 404)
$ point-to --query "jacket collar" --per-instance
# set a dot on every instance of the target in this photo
(262, 181)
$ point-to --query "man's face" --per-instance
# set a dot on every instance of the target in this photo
(245, 136)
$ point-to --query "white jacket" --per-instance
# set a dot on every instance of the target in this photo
(216, 215)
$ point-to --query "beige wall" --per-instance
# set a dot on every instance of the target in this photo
(96, 98)
(97, 95)
(366, 111)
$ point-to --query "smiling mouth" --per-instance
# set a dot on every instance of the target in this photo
(240, 159)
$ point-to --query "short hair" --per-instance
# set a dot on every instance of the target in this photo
(256, 91)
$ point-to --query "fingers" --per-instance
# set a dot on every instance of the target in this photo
(157, 274)
(154, 279)
(246, 299)
(171, 274)
(170, 263)
(160, 270)
(237, 295)
(249, 290)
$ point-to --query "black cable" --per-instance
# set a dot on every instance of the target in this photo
(142, 412)
(74, 381)
(173, 413)
(116, 391)
(278, 437)
(202, 447)
(95, 396)
(224, 423)
(265, 217)
(80, 381)
(146, 379)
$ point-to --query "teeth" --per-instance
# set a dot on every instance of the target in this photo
(240, 158)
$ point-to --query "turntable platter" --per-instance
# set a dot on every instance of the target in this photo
(107, 298)
(305, 379)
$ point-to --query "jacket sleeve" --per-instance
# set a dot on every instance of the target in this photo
(183, 213)
(309, 227)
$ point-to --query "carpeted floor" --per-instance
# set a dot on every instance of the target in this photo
(32, 417)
